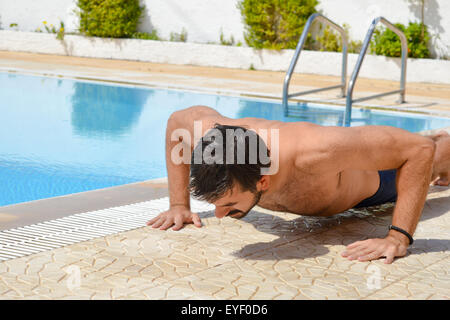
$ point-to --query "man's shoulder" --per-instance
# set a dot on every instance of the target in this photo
(198, 112)
(301, 131)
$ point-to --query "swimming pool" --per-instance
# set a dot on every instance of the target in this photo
(61, 136)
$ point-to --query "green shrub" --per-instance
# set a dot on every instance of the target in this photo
(224, 41)
(275, 24)
(109, 18)
(146, 36)
(179, 37)
(385, 42)
(330, 40)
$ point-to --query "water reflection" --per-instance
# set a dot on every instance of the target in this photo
(295, 112)
(409, 123)
(329, 116)
(325, 117)
(106, 110)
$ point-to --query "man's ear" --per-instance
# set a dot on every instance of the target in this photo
(263, 183)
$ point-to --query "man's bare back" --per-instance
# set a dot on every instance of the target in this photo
(320, 171)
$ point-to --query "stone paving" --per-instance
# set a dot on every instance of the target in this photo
(267, 255)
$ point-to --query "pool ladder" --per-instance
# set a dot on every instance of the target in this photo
(351, 84)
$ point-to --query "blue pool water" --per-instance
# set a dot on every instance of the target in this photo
(64, 136)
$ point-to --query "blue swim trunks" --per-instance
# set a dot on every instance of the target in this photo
(387, 191)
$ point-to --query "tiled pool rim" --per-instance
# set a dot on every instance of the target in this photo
(52, 234)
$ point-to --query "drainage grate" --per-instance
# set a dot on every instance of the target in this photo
(52, 234)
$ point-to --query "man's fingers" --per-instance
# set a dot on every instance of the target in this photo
(353, 248)
(389, 259)
(355, 244)
(157, 218)
(152, 221)
(370, 256)
(166, 220)
(362, 253)
(167, 224)
(196, 220)
(390, 255)
(178, 223)
(158, 222)
(372, 249)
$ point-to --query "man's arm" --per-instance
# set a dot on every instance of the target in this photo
(178, 172)
(380, 148)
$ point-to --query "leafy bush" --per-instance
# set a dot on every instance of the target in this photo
(330, 40)
(179, 37)
(275, 24)
(386, 42)
(224, 41)
(109, 18)
(146, 36)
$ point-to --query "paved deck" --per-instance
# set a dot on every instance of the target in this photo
(267, 255)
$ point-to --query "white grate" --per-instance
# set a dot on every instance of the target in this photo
(48, 235)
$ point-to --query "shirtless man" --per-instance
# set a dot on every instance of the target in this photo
(321, 171)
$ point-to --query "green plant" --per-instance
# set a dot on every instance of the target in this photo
(179, 37)
(146, 36)
(386, 42)
(354, 46)
(331, 40)
(224, 41)
(60, 33)
(109, 18)
(275, 24)
(421, 5)
(51, 29)
(418, 38)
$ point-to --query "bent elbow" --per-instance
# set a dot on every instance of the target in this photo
(430, 147)
(427, 149)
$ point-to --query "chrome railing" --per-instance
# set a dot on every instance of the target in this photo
(351, 84)
(298, 49)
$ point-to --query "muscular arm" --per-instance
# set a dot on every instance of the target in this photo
(380, 148)
(180, 132)
(178, 173)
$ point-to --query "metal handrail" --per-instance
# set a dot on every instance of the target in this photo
(351, 84)
(299, 48)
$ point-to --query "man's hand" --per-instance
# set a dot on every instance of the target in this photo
(176, 216)
(371, 249)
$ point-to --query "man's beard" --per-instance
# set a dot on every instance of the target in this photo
(256, 199)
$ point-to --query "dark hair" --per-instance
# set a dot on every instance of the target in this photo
(226, 155)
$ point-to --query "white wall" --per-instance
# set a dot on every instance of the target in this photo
(29, 14)
(315, 62)
(205, 19)
(359, 14)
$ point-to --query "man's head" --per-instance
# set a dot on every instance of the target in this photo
(226, 169)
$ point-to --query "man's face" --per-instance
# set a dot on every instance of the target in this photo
(236, 203)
